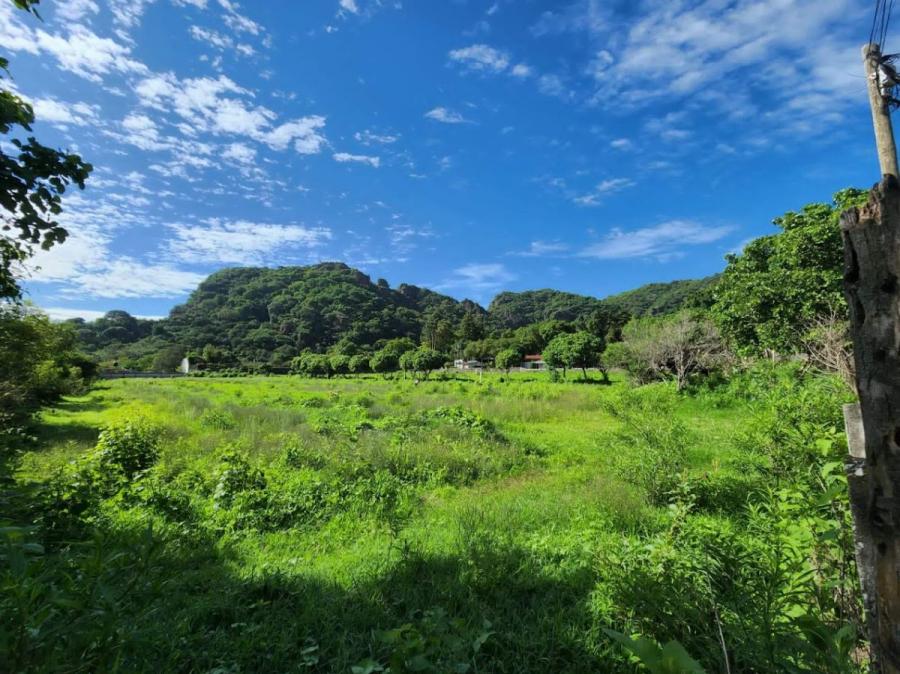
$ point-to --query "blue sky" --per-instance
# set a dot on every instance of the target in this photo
(470, 147)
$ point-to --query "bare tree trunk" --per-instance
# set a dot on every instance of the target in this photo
(871, 270)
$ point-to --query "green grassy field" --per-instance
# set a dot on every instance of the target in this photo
(494, 525)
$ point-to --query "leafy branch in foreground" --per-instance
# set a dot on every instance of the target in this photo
(33, 179)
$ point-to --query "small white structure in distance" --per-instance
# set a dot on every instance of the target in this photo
(461, 364)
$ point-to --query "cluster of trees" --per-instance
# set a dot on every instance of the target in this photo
(771, 294)
(397, 355)
(781, 297)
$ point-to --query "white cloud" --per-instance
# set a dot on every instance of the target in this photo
(76, 10)
(303, 132)
(237, 21)
(446, 116)
(543, 249)
(62, 114)
(211, 37)
(369, 138)
(481, 57)
(553, 85)
(621, 144)
(220, 42)
(602, 189)
(128, 13)
(349, 6)
(241, 153)
(219, 106)
(142, 132)
(218, 241)
(477, 278)
(779, 53)
(85, 264)
(521, 70)
(81, 52)
(661, 241)
(344, 157)
(127, 277)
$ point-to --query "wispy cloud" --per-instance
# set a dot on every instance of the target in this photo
(62, 114)
(478, 278)
(346, 157)
(603, 189)
(218, 241)
(688, 50)
(543, 249)
(446, 116)
(367, 137)
(481, 57)
(661, 241)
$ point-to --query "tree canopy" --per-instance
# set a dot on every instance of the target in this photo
(780, 283)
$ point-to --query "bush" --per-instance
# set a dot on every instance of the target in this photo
(129, 448)
(653, 442)
(218, 419)
(236, 477)
(339, 364)
(359, 364)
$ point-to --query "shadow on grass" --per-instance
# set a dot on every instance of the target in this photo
(49, 435)
(177, 603)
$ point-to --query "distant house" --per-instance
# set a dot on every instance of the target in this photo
(461, 364)
(533, 362)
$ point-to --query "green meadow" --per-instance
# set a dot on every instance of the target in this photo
(495, 524)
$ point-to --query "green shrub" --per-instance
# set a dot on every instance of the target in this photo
(653, 442)
(431, 643)
(236, 475)
(218, 420)
(298, 454)
(719, 491)
(127, 448)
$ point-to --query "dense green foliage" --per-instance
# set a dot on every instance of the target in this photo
(270, 316)
(260, 319)
(655, 299)
(516, 310)
(770, 294)
(39, 362)
(574, 350)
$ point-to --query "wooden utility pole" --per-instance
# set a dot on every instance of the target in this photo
(871, 236)
(881, 113)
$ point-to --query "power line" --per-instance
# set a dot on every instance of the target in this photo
(878, 5)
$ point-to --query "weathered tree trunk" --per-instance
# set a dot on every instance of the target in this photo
(871, 271)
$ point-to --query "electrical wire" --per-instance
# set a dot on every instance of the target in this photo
(884, 30)
(878, 6)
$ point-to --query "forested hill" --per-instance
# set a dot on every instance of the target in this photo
(655, 299)
(264, 315)
(514, 310)
(264, 311)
